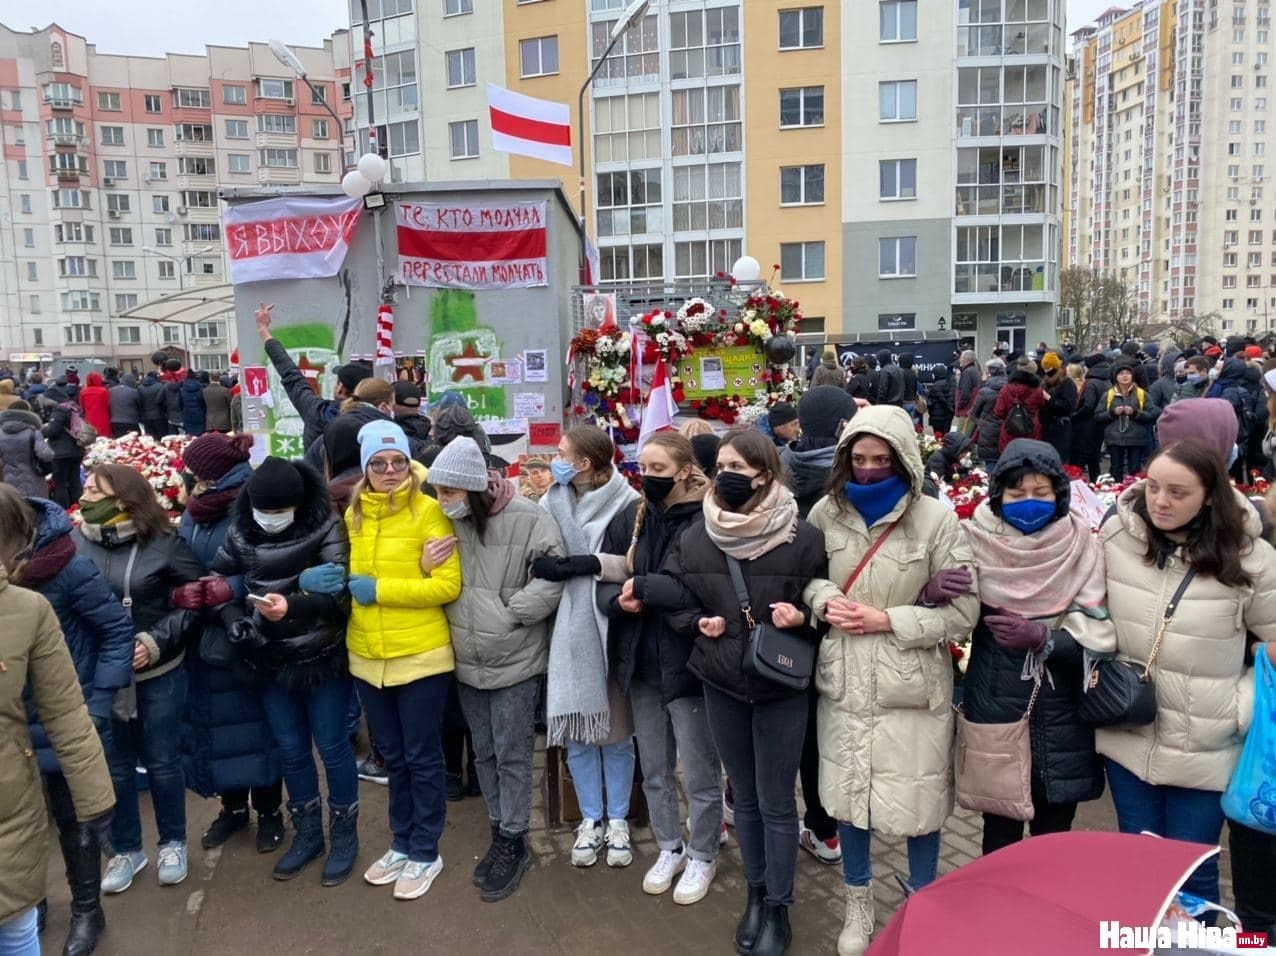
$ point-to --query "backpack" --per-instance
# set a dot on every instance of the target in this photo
(1019, 422)
(84, 433)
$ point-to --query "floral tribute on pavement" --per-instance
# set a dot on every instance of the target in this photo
(158, 461)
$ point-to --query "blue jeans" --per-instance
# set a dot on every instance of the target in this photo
(20, 935)
(299, 717)
(1174, 812)
(154, 740)
(592, 766)
(407, 722)
(857, 860)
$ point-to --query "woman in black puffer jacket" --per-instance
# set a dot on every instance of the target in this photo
(1042, 601)
(282, 527)
(130, 538)
(758, 725)
(651, 664)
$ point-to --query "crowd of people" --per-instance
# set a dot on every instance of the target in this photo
(398, 568)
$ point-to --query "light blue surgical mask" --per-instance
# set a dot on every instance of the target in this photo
(457, 509)
(274, 522)
(563, 471)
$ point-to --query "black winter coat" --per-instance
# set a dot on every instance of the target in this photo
(308, 646)
(891, 386)
(194, 411)
(126, 404)
(860, 385)
(781, 574)
(1056, 417)
(940, 403)
(173, 402)
(1064, 761)
(647, 648)
(154, 405)
(988, 435)
(162, 563)
(1086, 432)
(59, 435)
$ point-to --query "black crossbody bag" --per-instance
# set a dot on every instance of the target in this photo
(772, 654)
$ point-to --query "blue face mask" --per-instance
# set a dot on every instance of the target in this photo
(1195, 378)
(563, 471)
(875, 501)
(1028, 516)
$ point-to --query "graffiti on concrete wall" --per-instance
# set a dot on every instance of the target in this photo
(463, 353)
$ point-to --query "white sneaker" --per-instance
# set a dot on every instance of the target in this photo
(415, 879)
(170, 866)
(722, 837)
(728, 811)
(660, 877)
(826, 851)
(589, 840)
(387, 869)
(120, 871)
(618, 850)
(695, 881)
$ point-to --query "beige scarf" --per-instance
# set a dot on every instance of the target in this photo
(747, 536)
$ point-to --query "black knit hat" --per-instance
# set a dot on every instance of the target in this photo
(341, 443)
(276, 485)
(781, 413)
(822, 408)
(706, 450)
(351, 374)
(1124, 363)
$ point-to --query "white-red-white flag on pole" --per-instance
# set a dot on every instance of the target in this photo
(385, 335)
(527, 126)
(661, 408)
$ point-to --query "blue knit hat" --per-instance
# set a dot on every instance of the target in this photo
(381, 436)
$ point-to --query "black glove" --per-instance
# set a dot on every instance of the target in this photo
(244, 634)
(560, 569)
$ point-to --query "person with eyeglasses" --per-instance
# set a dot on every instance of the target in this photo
(404, 569)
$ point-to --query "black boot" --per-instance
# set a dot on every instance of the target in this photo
(83, 854)
(455, 788)
(509, 862)
(775, 935)
(270, 831)
(307, 844)
(343, 839)
(228, 823)
(746, 933)
(485, 864)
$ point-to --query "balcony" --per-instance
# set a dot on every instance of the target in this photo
(276, 140)
(68, 139)
(282, 175)
(195, 147)
(63, 102)
(977, 121)
(1008, 200)
(995, 39)
(1003, 281)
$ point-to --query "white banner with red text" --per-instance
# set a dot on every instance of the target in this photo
(289, 238)
(473, 245)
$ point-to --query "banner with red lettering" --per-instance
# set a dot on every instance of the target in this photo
(289, 238)
(473, 245)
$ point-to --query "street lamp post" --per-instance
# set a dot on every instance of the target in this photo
(628, 18)
(289, 59)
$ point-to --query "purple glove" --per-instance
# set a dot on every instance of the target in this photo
(945, 586)
(1015, 632)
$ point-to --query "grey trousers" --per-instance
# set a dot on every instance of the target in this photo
(502, 726)
(666, 734)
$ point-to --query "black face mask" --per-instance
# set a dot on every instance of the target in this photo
(734, 489)
(190, 481)
(657, 489)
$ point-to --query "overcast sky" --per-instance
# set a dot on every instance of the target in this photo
(153, 27)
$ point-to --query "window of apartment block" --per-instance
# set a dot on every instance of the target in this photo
(159, 204)
(196, 166)
(235, 95)
(395, 73)
(705, 258)
(453, 8)
(157, 171)
(323, 163)
(22, 169)
(318, 94)
(627, 128)
(461, 70)
(538, 56)
(1229, 215)
(277, 158)
(120, 236)
(108, 101)
(706, 121)
(708, 197)
(202, 232)
(630, 203)
(638, 56)
(897, 101)
(1236, 104)
(704, 43)
(238, 128)
(802, 261)
(802, 185)
(802, 106)
(897, 257)
(151, 103)
(464, 139)
(397, 139)
(28, 238)
(167, 269)
(124, 269)
(117, 202)
(379, 9)
(239, 163)
(114, 169)
(155, 138)
(37, 335)
(897, 179)
(24, 201)
(274, 89)
(319, 129)
(187, 98)
(33, 272)
(199, 198)
(193, 133)
(112, 135)
(280, 124)
(1255, 237)
(802, 29)
(129, 334)
(897, 21)
(163, 236)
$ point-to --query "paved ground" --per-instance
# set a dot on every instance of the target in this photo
(230, 905)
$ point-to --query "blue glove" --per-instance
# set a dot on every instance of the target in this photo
(323, 579)
(363, 588)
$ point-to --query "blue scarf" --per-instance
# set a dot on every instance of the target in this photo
(875, 501)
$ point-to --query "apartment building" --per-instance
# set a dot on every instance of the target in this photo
(110, 179)
(1171, 151)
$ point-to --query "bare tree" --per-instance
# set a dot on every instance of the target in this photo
(1116, 308)
(1076, 293)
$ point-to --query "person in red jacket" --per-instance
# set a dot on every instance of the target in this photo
(96, 402)
(1019, 407)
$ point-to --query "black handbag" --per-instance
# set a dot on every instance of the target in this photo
(1121, 693)
(772, 654)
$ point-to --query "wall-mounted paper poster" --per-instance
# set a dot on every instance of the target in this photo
(599, 309)
(536, 365)
(529, 404)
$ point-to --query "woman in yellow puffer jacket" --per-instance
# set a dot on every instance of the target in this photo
(403, 570)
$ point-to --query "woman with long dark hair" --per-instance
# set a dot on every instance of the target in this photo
(1185, 525)
(128, 535)
(751, 519)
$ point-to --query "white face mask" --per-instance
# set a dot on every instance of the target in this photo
(457, 509)
(274, 522)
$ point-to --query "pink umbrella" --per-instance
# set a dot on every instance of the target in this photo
(1046, 895)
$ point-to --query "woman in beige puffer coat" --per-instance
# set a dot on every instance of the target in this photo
(1167, 776)
(885, 675)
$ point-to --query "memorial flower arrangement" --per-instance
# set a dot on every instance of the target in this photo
(158, 461)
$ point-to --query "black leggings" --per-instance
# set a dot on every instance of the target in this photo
(816, 818)
(1047, 818)
(266, 800)
(66, 481)
(1253, 877)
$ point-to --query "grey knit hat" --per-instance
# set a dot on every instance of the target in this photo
(460, 465)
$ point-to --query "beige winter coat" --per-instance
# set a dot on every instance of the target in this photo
(1204, 695)
(885, 718)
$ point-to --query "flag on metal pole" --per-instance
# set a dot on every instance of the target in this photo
(661, 408)
(527, 126)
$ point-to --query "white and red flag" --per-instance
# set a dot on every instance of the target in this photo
(385, 335)
(472, 245)
(289, 238)
(661, 408)
(527, 126)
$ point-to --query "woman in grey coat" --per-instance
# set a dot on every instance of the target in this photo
(24, 453)
(500, 639)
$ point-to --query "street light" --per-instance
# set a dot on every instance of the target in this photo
(289, 59)
(628, 18)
